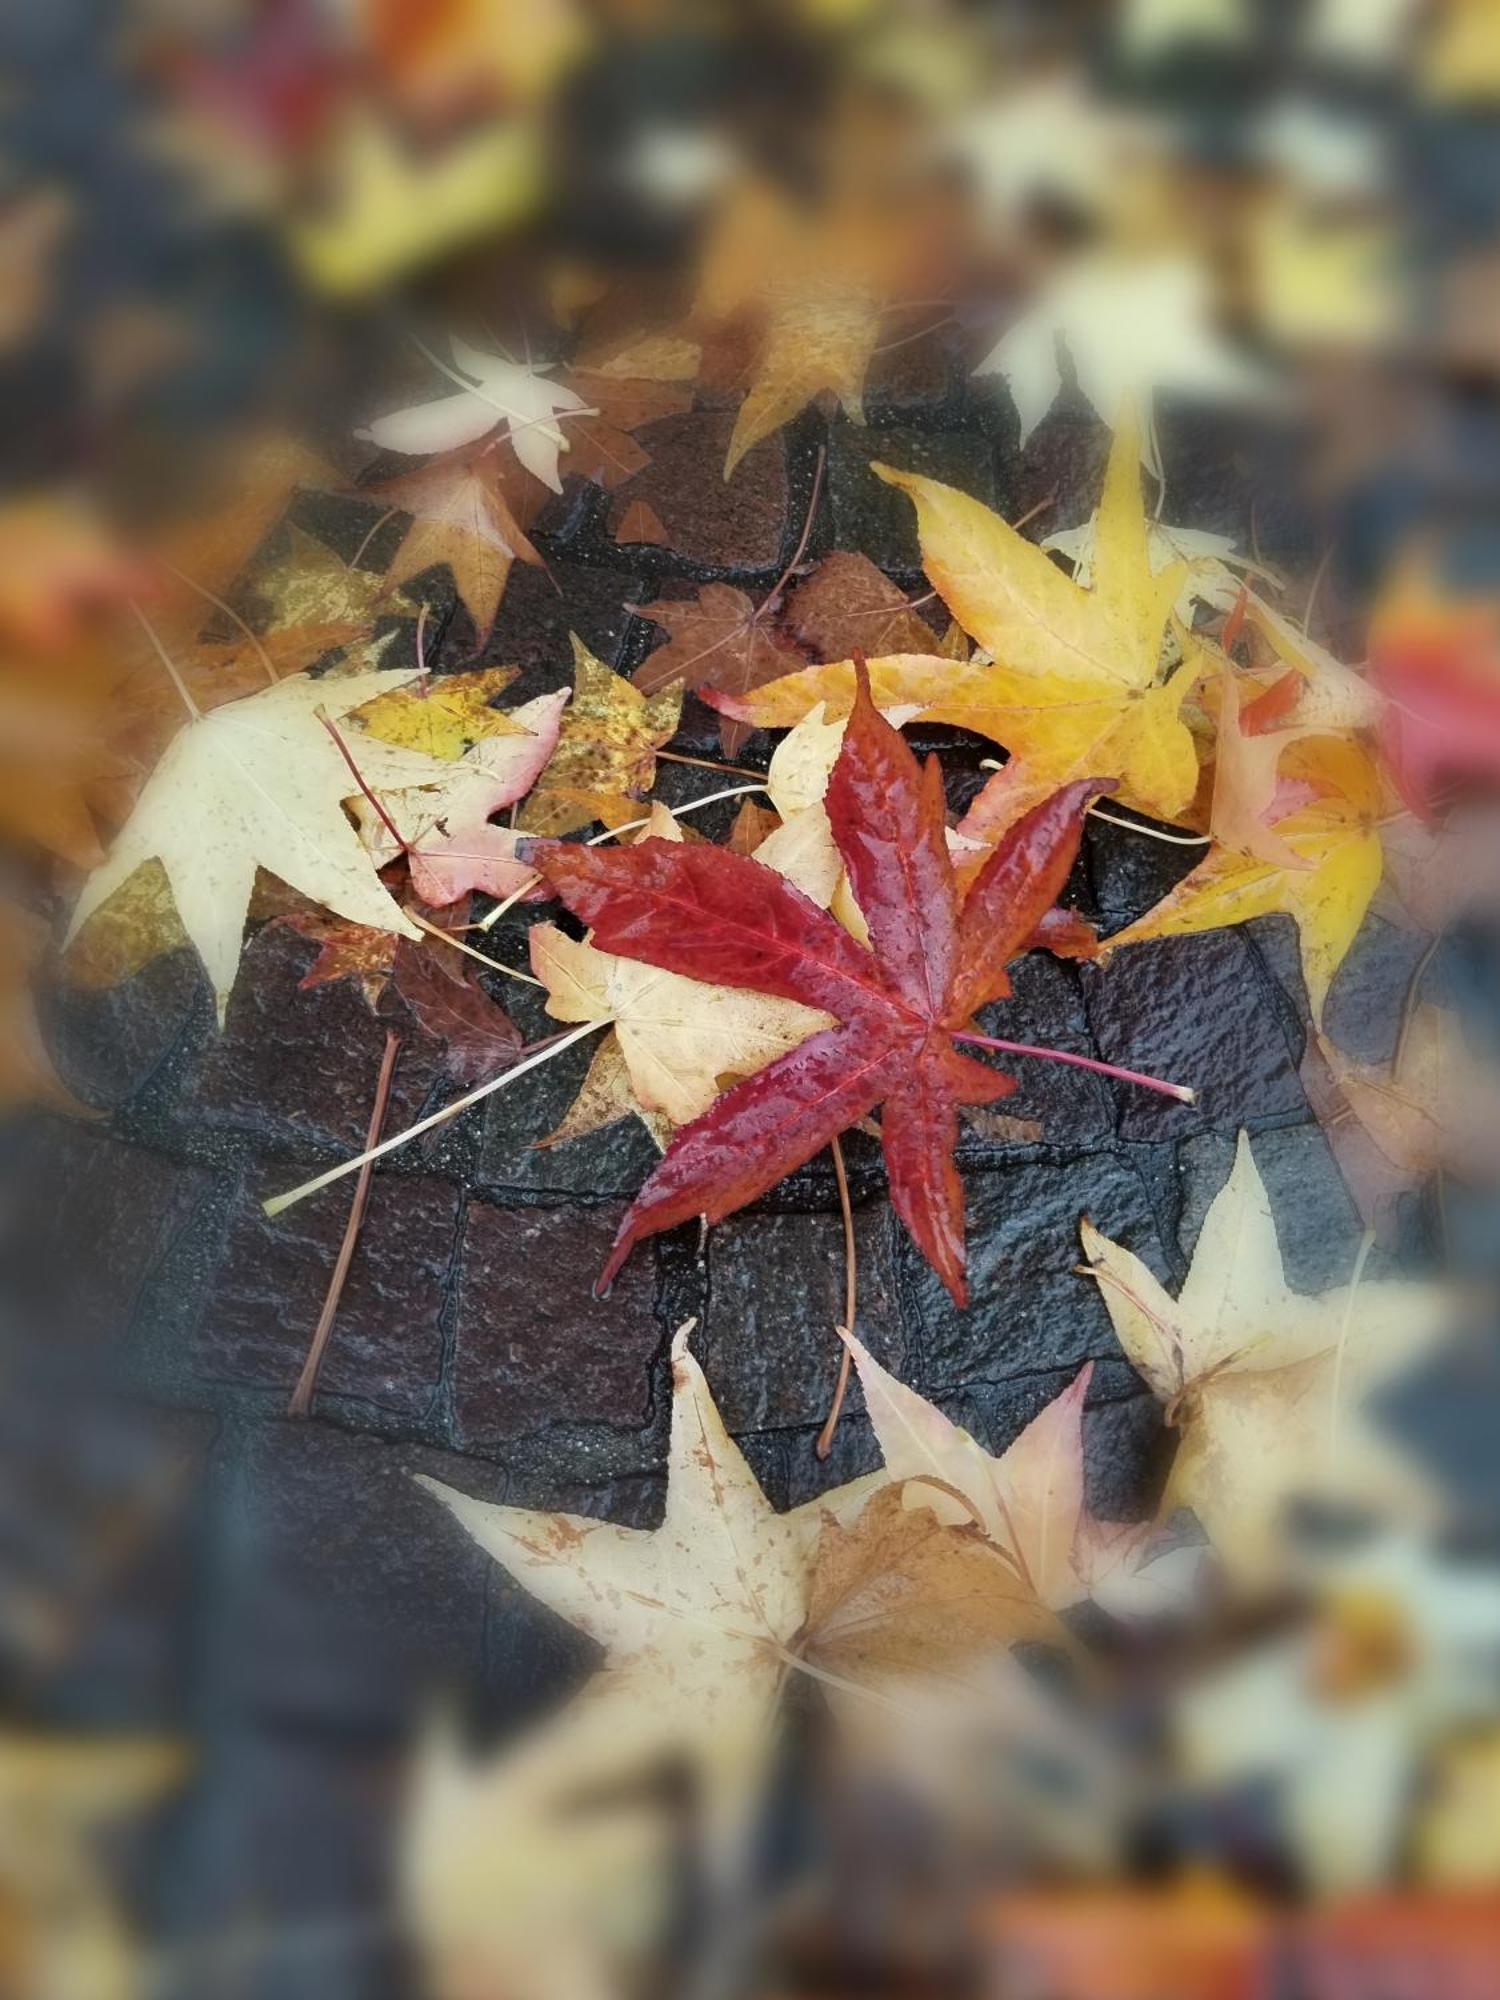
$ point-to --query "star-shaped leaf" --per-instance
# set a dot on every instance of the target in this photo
(258, 783)
(714, 916)
(1265, 1385)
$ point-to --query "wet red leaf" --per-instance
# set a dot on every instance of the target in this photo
(722, 917)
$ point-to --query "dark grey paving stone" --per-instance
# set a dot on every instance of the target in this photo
(1068, 1107)
(88, 1226)
(294, 1066)
(109, 1043)
(877, 519)
(1030, 1310)
(738, 523)
(1197, 1011)
(776, 1293)
(539, 610)
(386, 1347)
(533, 1345)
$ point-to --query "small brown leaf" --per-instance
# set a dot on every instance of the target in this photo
(480, 1035)
(848, 606)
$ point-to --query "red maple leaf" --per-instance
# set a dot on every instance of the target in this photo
(721, 917)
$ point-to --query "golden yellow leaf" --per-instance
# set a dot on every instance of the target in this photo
(392, 209)
(446, 717)
(1334, 834)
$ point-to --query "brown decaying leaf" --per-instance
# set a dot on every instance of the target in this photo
(345, 950)
(462, 516)
(454, 1009)
(248, 492)
(896, 1593)
(848, 606)
(753, 823)
(719, 639)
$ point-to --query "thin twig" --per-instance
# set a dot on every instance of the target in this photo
(229, 612)
(437, 931)
(1151, 832)
(803, 539)
(540, 1052)
(380, 812)
(851, 1299)
(168, 662)
(708, 764)
(301, 1400)
(370, 534)
(1032, 512)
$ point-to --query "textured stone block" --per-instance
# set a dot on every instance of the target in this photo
(736, 523)
(533, 1345)
(386, 1346)
(541, 607)
(877, 519)
(349, 1595)
(1029, 1310)
(109, 1043)
(1199, 1011)
(294, 1065)
(87, 1225)
(776, 1293)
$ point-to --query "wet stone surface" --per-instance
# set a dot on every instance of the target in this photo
(307, 1588)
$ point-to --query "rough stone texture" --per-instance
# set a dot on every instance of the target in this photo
(739, 522)
(775, 1296)
(1198, 1011)
(1028, 1310)
(539, 610)
(386, 1347)
(876, 518)
(1069, 1106)
(274, 1073)
(118, 1037)
(1060, 470)
(534, 1346)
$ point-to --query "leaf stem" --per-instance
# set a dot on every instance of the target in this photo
(1181, 1091)
(769, 602)
(267, 664)
(379, 810)
(708, 764)
(541, 1052)
(851, 1299)
(194, 712)
(301, 1398)
(448, 937)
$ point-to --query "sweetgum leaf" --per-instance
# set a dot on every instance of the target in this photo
(719, 917)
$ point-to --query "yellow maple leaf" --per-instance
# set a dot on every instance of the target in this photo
(1074, 685)
(1335, 839)
(392, 210)
(446, 717)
